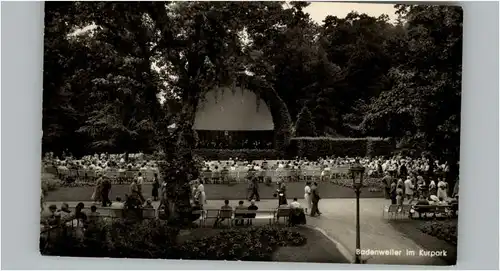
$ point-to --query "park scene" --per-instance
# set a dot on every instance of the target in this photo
(251, 131)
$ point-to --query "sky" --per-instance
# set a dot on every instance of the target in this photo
(319, 10)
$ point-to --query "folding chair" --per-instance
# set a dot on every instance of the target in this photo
(240, 215)
(201, 214)
(130, 175)
(149, 175)
(206, 177)
(405, 210)
(63, 173)
(227, 215)
(316, 175)
(216, 177)
(283, 213)
(112, 175)
(233, 177)
(210, 214)
(122, 176)
(90, 176)
(149, 213)
(390, 210)
(81, 175)
(73, 173)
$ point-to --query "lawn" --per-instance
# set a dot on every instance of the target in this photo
(411, 229)
(318, 249)
(216, 192)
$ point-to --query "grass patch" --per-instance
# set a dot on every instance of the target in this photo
(217, 192)
(413, 229)
(318, 249)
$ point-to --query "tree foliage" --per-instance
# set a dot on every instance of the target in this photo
(422, 107)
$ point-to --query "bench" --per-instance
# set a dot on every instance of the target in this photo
(433, 210)
(231, 216)
(397, 211)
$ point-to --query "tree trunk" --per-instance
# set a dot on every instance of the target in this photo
(181, 167)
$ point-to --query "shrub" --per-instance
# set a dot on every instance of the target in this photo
(154, 239)
(248, 244)
(242, 154)
(305, 124)
(120, 238)
(50, 183)
(444, 230)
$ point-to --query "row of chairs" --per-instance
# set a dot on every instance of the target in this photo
(119, 177)
(91, 175)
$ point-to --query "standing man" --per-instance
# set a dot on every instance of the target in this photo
(387, 181)
(253, 188)
(140, 182)
(315, 199)
(281, 193)
(105, 188)
(408, 185)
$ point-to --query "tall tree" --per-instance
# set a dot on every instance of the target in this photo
(422, 109)
(356, 45)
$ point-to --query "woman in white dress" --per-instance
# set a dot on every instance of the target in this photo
(441, 192)
(200, 191)
(307, 197)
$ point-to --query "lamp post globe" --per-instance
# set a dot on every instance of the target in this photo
(357, 171)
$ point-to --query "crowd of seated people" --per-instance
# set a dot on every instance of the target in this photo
(101, 163)
(376, 167)
(396, 166)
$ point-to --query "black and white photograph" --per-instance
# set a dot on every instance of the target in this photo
(316, 132)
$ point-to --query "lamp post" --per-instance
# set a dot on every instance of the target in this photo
(357, 171)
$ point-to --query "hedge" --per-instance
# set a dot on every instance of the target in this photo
(241, 154)
(379, 147)
(315, 147)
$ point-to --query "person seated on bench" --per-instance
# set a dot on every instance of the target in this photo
(118, 204)
(421, 202)
(224, 207)
(252, 207)
(297, 215)
(295, 204)
(239, 218)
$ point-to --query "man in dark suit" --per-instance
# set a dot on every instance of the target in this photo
(253, 187)
(105, 188)
(315, 199)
